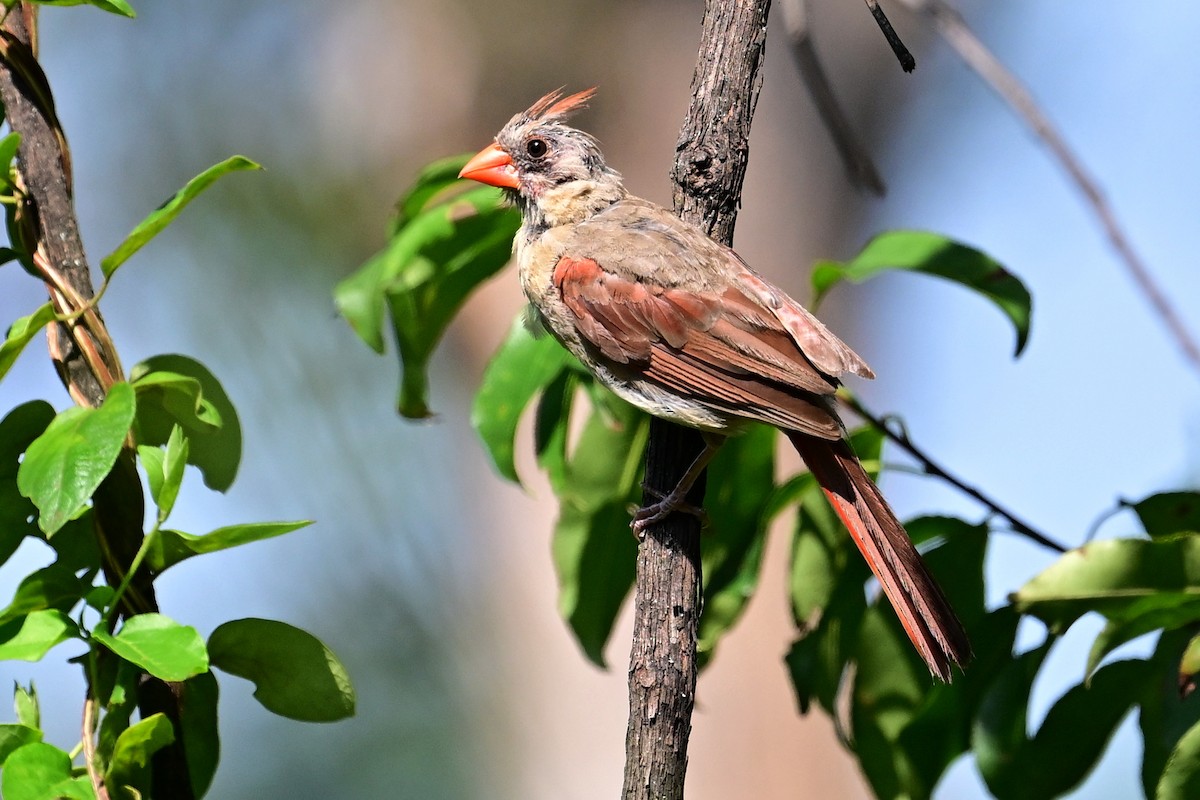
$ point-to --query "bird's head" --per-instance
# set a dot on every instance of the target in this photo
(553, 172)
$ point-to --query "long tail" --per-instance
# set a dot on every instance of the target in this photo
(923, 610)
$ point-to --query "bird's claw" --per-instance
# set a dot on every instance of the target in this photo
(645, 516)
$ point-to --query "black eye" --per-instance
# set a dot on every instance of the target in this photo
(537, 147)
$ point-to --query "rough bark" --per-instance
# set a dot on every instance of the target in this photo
(81, 349)
(710, 167)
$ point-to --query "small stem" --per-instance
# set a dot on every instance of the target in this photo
(907, 62)
(933, 469)
(89, 746)
(149, 540)
(978, 57)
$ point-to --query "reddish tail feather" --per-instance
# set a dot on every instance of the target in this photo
(919, 602)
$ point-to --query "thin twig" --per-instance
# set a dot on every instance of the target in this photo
(860, 169)
(907, 62)
(933, 469)
(954, 29)
(89, 746)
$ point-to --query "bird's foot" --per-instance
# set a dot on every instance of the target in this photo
(667, 504)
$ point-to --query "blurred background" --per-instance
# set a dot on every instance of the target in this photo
(430, 576)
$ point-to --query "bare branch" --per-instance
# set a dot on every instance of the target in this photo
(933, 469)
(954, 29)
(860, 169)
(907, 62)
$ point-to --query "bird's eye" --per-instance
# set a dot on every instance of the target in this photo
(537, 147)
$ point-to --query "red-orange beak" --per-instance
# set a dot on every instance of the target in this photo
(492, 166)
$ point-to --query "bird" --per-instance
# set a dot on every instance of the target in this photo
(681, 327)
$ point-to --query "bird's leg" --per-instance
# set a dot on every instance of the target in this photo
(674, 500)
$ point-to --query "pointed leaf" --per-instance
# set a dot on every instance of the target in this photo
(294, 674)
(21, 333)
(25, 703)
(998, 735)
(65, 465)
(1181, 777)
(30, 637)
(423, 275)
(434, 179)
(175, 546)
(165, 214)
(1120, 578)
(931, 254)
(198, 725)
(130, 765)
(1168, 513)
(165, 389)
(55, 586)
(522, 367)
(1165, 716)
(158, 644)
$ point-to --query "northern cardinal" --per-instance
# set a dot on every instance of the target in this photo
(678, 325)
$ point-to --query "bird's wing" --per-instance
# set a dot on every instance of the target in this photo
(716, 345)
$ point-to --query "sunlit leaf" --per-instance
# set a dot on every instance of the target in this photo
(13, 736)
(165, 214)
(1120, 578)
(36, 771)
(64, 466)
(932, 254)
(294, 674)
(158, 644)
(172, 547)
(1181, 776)
(30, 637)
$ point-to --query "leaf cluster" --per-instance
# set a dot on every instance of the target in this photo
(171, 413)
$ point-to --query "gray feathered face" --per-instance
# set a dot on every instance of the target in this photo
(547, 154)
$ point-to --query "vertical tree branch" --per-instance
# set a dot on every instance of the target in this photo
(81, 348)
(710, 167)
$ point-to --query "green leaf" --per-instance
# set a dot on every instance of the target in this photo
(294, 674)
(18, 516)
(423, 276)
(172, 547)
(30, 637)
(21, 333)
(1077, 729)
(167, 397)
(65, 465)
(14, 736)
(164, 471)
(8, 151)
(931, 254)
(434, 179)
(198, 723)
(740, 483)
(1120, 578)
(25, 704)
(1165, 716)
(522, 367)
(36, 771)
(123, 678)
(165, 214)
(1119, 631)
(130, 765)
(112, 6)
(998, 735)
(1181, 777)
(1168, 513)
(55, 586)
(594, 552)
(159, 645)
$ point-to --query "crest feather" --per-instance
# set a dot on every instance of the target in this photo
(555, 106)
